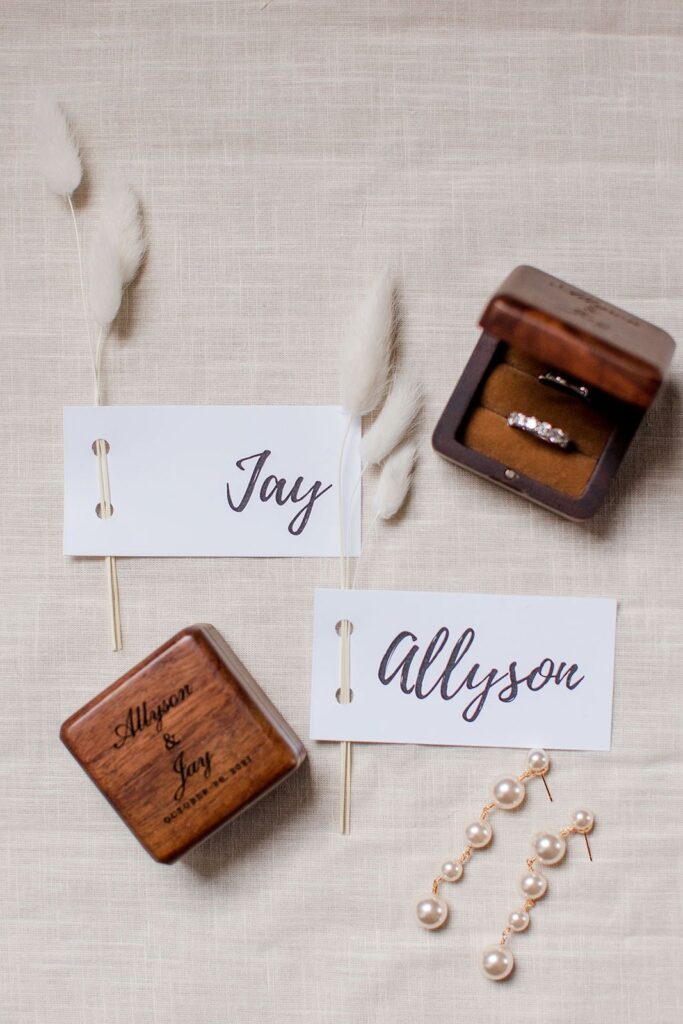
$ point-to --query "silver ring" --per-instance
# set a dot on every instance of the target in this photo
(556, 380)
(540, 429)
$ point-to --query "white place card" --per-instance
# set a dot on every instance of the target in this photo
(211, 480)
(465, 669)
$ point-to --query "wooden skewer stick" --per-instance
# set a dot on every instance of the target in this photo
(345, 698)
(114, 603)
(106, 511)
(348, 790)
(345, 803)
(344, 630)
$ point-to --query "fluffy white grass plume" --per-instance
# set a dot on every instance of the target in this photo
(366, 358)
(398, 415)
(367, 352)
(117, 252)
(394, 481)
(122, 224)
(57, 148)
(105, 281)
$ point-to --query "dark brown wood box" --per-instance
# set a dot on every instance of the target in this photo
(535, 324)
(183, 742)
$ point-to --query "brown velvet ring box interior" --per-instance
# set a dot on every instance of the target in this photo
(183, 742)
(537, 324)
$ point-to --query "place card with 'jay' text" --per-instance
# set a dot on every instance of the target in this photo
(465, 669)
(210, 480)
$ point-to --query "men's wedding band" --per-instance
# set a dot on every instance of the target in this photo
(556, 380)
(540, 429)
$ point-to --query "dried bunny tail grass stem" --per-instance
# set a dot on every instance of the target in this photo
(394, 481)
(122, 223)
(392, 490)
(58, 154)
(395, 420)
(367, 351)
(81, 279)
(116, 257)
(105, 292)
(60, 164)
(105, 283)
(117, 253)
(366, 358)
(118, 250)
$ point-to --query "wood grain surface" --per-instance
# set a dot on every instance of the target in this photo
(602, 345)
(182, 743)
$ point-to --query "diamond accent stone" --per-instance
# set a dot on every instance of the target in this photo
(541, 429)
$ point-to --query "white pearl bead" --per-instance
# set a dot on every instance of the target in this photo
(548, 848)
(583, 821)
(533, 885)
(432, 912)
(479, 834)
(497, 962)
(538, 760)
(509, 792)
(519, 920)
(451, 871)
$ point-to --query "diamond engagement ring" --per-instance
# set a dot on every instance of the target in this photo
(540, 429)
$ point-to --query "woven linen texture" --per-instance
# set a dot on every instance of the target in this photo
(285, 151)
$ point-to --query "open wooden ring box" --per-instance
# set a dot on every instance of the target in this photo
(183, 742)
(610, 366)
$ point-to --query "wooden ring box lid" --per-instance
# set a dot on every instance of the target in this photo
(183, 742)
(533, 324)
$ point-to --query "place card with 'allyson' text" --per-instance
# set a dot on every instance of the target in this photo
(210, 480)
(465, 669)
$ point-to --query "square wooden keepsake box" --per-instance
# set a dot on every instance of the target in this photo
(183, 742)
(553, 393)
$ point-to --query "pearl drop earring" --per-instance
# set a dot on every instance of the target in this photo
(497, 962)
(508, 793)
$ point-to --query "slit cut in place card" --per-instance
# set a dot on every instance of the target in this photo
(210, 481)
(465, 669)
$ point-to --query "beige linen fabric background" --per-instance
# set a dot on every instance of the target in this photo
(285, 151)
